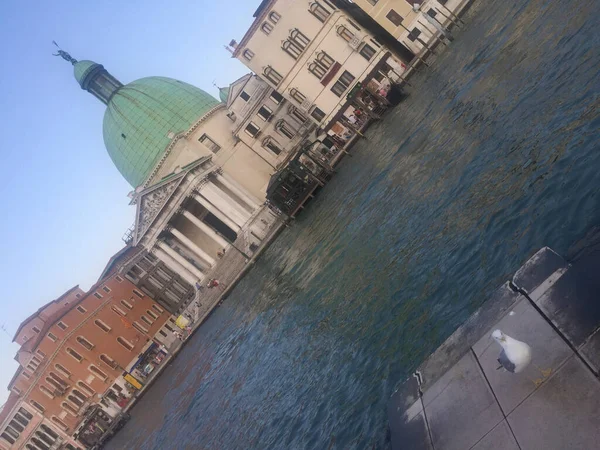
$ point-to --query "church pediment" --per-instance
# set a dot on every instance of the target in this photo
(151, 203)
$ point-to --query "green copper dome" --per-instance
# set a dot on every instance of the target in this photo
(82, 69)
(142, 118)
(224, 94)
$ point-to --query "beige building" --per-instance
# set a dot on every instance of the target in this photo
(405, 20)
(263, 120)
(312, 53)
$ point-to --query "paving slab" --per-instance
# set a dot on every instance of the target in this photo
(538, 270)
(563, 414)
(500, 438)
(460, 407)
(454, 348)
(572, 304)
(549, 352)
(408, 427)
(591, 351)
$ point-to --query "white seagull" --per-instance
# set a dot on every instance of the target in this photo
(515, 355)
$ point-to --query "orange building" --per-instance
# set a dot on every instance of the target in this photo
(72, 351)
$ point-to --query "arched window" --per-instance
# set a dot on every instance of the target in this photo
(74, 354)
(69, 408)
(85, 388)
(142, 329)
(126, 304)
(297, 114)
(108, 361)
(102, 325)
(274, 17)
(285, 129)
(62, 370)
(118, 310)
(80, 395)
(49, 431)
(248, 54)
(97, 372)
(152, 314)
(158, 309)
(37, 406)
(321, 65)
(317, 10)
(345, 33)
(46, 391)
(295, 44)
(272, 75)
(125, 343)
(146, 320)
(297, 95)
(266, 28)
(85, 343)
(59, 423)
(272, 145)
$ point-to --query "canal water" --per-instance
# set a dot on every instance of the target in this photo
(493, 155)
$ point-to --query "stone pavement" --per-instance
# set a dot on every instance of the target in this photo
(459, 400)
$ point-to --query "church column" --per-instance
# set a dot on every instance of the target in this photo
(238, 190)
(217, 213)
(206, 229)
(174, 266)
(207, 259)
(181, 260)
(225, 203)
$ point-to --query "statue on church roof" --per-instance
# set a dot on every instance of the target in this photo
(64, 55)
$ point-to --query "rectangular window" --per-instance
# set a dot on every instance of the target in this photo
(41, 354)
(265, 113)
(26, 375)
(252, 129)
(162, 333)
(106, 289)
(119, 279)
(52, 337)
(367, 52)
(317, 114)
(158, 309)
(276, 97)
(342, 84)
(248, 54)
(244, 96)
(35, 329)
(373, 2)
(81, 309)
(212, 146)
(16, 390)
(97, 295)
(394, 17)
(152, 314)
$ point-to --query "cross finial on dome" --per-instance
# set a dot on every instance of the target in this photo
(64, 55)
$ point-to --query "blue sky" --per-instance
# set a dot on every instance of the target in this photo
(65, 205)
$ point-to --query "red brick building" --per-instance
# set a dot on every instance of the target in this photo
(72, 351)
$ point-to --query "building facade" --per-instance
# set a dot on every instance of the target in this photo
(264, 120)
(406, 21)
(73, 354)
(313, 54)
